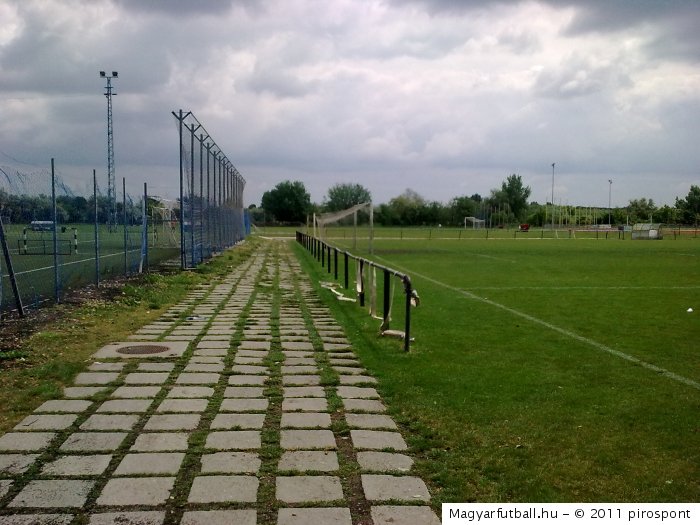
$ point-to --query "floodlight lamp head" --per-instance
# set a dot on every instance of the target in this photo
(115, 74)
(103, 74)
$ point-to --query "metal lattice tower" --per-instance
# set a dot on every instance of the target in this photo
(111, 182)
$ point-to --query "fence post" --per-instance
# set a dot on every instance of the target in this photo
(126, 261)
(387, 298)
(97, 236)
(144, 230)
(55, 233)
(347, 284)
(362, 283)
(329, 259)
(407, 328)
(10, 271)
(335, 260)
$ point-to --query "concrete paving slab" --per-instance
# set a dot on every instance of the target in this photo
(238, 421)
(120, 350)
(195, 378)
(222, 489)
(110, 422)
(216, 338)
(125, 406)
(335, 347)
(211, 352)
(36, 519)
(244, 405)
(243, 360)
(308, 461)
(156, 367)
(190, 392)
(146, 378)
(231, 463)
(344, 361)
(250, 369)
(357, 392)
(307, 439)
(25, 441)
(384, 462)
(134, 392)
(14, 464)
(234, 440)
(49, 493)
(172, 422)
(93, 465)
(300, 361)
(252, 353)
(183, 405)
(155, 463)
(308, 489)
(295, 354)
(220, 517)
(363, 405)
(213, 344)
(136, 491)
(349, 370)
(304, 404)
(403, 515)
(370, 421)
(46, 422)
(301, 380)
(179, 338)
(254, 345)
(298, 345)
(305, 420)
(5, 485)
(204, 367)
(82, 392)
(320, 516)
(382, 487)
(303, 391)
(93, 442)
(106, 367)
(358, 379)
(161, 442)
(96, 378)
(63, 406)
(247, 380)
(206, 359)
(243, 391)
(143, 517)
(377, 440)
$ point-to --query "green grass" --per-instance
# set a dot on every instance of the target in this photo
(502, 407)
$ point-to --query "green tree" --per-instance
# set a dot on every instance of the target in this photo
(408, 208)
(689, 207)
(287, 202)
(515, 195)
(344, 196)
(641, 210)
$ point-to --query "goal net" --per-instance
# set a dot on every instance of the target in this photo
(323, 221)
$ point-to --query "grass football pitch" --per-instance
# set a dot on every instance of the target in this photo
(544, 369)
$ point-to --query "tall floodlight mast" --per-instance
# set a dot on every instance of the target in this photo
(111, 187)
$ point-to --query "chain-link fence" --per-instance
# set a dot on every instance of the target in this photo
(57, 233)
(211, 192)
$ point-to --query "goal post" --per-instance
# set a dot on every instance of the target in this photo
(322, 220)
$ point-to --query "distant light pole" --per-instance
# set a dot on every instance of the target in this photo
(111, 187)
(553, 194)
(610, 202)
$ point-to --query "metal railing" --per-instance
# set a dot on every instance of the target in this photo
(329, 257)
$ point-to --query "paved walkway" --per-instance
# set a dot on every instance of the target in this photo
(266, 417)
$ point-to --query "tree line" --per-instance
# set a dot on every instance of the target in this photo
(507, 205)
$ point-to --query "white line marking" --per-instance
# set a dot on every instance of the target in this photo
(568, 333)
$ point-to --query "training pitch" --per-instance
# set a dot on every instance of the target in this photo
(545, 369)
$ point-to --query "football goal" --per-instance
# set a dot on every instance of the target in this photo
(322, 221)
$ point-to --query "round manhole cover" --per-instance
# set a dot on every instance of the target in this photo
(142, 349)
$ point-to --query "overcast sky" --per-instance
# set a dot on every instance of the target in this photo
(446, 97)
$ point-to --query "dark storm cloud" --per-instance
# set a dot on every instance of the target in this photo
(180, 7)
